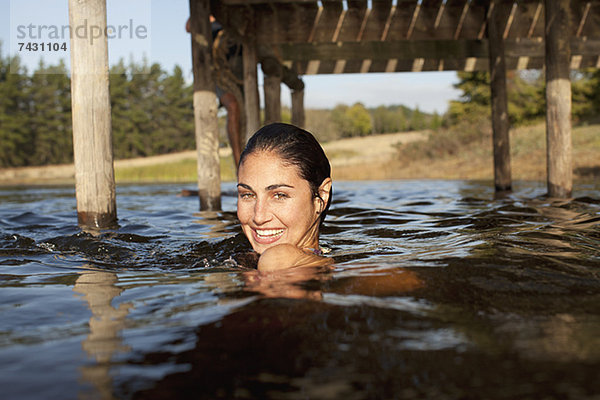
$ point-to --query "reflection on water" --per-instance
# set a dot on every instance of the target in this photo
(99, 290)
(439, 290)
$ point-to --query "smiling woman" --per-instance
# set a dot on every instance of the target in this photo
(284, 192)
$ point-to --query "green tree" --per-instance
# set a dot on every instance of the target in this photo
(436, 121)
(379, 116)
(342, 123)
(417, 120)
(152, 111)
(475, 99)
(388, 119)
(173, 114)
(144, 93)
(120, 104)
(586, 94)
(594, 97)
(526, 98)
(352, 121)
(50, 115)
(15, 141)
(134, 93)
(360, 120)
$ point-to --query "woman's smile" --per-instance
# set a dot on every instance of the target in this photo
(267, 236)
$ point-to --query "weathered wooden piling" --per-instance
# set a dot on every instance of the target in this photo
(298, 115)
(499, 100)
(296, 85)
(558, 98)
(251, 98)
(92, 130)
(205, 108)
(272, 89)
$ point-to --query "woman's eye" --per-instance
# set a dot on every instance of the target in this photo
(281, 196)
(246, 196)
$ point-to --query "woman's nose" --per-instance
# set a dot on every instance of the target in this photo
(261, 212)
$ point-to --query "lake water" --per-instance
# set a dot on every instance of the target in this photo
(439, 290)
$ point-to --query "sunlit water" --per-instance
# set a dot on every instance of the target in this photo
(439, 290)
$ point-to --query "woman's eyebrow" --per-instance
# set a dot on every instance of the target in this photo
(243, 185)
(277, 186)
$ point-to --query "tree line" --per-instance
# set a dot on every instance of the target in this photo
(152, 110)
(526, 97)
(152, 113)
(344, 121)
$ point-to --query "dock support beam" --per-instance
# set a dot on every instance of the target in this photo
(294, 82)
(298, 117)
(558, 99)
(205, 108)
(251, 98)
(499, 100)
(272, 88)
(92, 130)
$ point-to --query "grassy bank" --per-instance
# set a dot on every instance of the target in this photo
(342, 154)
(465, 152)
(175, 171)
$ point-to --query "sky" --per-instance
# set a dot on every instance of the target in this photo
(155, 30)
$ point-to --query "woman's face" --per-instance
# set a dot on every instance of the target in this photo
(275, 204)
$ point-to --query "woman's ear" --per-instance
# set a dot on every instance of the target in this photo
(324, 193)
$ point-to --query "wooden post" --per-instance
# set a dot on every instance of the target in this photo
(294, 82)
(251, 99)
(500, 123)
(298, 117)
(558, 99)
(92, 131)
(205, 108)
(273, 72)
(272, 89)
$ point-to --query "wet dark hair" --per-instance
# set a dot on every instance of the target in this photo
(296, 147)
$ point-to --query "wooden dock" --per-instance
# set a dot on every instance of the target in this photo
(292, 38)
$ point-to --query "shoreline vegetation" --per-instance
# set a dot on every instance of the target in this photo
(441, 154)
(153, 126)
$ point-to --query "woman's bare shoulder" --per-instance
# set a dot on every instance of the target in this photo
(285, 256)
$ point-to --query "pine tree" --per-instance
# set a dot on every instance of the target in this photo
(173, 115)
(145, 96)
(475, 100)
(50, 115)
(436, 121)
(417, 120)
(586, 94)
(120, 105)
(526, 98)
(392, 119)
(15, 141)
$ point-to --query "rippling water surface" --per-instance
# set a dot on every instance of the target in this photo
(439, 290)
